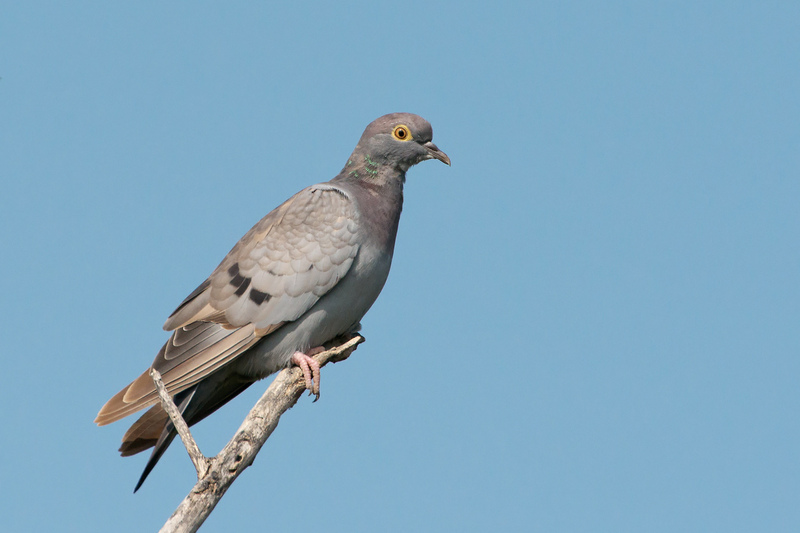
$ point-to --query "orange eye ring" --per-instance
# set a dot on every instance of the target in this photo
(401, 133)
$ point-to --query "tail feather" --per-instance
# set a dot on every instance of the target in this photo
(144, 433)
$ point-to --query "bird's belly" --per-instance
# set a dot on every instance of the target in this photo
(337, 312)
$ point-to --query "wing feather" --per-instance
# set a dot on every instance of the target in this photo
(274, 274)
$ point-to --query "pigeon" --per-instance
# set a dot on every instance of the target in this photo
(302, 276)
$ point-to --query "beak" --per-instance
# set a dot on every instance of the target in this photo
(435, 153)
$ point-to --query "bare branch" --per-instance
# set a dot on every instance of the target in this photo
(240, 452)
(200, 461)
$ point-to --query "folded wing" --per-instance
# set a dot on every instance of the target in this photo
(274, 274)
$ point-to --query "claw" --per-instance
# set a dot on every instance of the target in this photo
(310, 368)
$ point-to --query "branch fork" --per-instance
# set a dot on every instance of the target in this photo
(216, 474)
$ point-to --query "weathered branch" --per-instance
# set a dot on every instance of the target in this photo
(200, 461)
(239, 453)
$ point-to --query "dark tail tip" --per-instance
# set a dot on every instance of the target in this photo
(158, 451)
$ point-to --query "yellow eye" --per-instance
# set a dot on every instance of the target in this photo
(401, 133)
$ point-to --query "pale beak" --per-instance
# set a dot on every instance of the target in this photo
(435, 153)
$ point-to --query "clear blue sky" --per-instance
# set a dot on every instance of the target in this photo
(591, 322)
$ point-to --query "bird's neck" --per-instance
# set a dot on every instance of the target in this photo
(371, 168)
(378, 191)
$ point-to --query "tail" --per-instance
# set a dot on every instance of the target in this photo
(154, 428)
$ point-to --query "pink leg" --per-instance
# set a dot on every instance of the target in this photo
(310, 368)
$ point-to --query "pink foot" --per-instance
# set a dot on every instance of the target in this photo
(310, 368)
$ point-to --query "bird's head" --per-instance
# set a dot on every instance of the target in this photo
(399, 140)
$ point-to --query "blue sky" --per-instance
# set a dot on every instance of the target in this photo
(591, 320)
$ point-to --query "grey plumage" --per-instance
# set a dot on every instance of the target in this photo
(306, 273)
